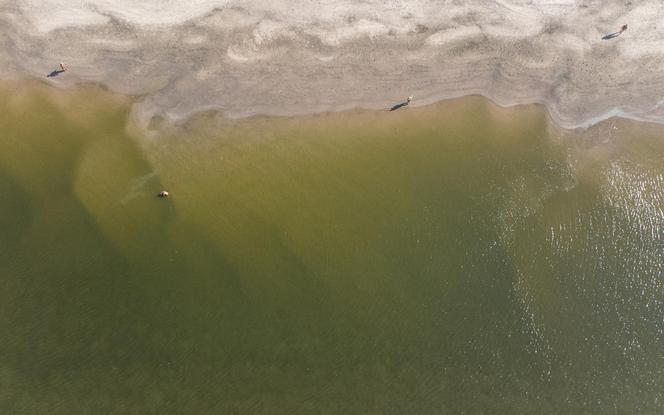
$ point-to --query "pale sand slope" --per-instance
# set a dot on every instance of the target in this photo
(286, 57)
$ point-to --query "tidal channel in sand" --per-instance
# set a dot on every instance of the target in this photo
(455, 258)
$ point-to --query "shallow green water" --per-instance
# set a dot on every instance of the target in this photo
(459, 258)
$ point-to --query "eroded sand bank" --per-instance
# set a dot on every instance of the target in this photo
(282, 58)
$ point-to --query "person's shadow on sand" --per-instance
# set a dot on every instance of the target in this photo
(55, 73)
(396, 107)
(401, 104)
(611, 35)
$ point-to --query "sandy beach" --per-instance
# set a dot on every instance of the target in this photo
(281, 58)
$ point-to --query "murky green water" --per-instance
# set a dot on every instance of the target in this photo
(459, 258)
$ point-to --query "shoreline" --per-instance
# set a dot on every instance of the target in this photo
(583, 124)
(143, 111)
(147, 127)
(142, 122)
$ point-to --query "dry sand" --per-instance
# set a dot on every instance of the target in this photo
(292, 57)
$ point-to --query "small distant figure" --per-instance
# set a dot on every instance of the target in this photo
(57, 72)
(402, 104)
(615, 34)
(163, 194)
